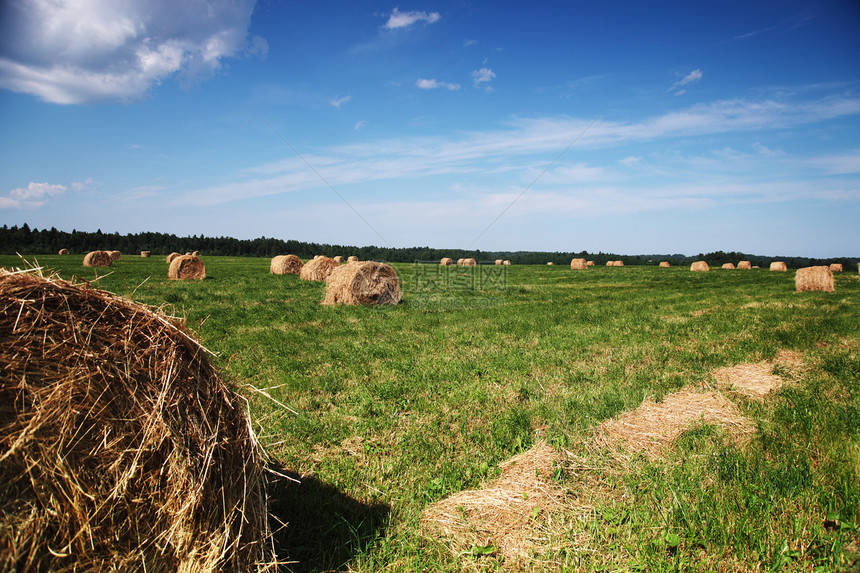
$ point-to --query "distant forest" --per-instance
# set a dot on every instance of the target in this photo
(27, 241)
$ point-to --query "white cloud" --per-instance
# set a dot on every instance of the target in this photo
(838, 164)
(358, 125)
(690, 78)
(72, 52)
(339, 101)
(34, 195)
(400, 19)
(433, 84)
(483, 76)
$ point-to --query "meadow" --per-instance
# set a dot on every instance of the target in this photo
(382, 412)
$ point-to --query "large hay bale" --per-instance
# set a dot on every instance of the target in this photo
(728, 266)
(836, 267)
(98, 259)
(664, 265)
(469, 263)
(814, 278)
(578, 264)
(338, 259)
(744, 265)
(145, 254)
(778, 266)
(352, 259)
(366, 283)
(115, 255)
(317, 269)
(63, 252)
(700, 267)
(122, 448)
(172, 256)
(187, 267)
(286, 265)
(446, 262)
(499, 262)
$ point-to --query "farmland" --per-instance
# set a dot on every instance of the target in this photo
(382, 412)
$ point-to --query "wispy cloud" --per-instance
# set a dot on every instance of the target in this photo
(432, 84)
(339, 101)
(839, 163)
(400, 19)
(33, 195)
(358, 125)
(482, 78)
(692, 77)
(786, 25)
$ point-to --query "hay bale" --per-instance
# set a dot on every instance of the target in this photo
(744, 265)
(98, 259)
(366, 283)
(836, 267)
(814, 278)
(338, 259)
(578, 264)
(664, 265)
(145, 254)
(460, 262)
(115, 255)
(172, 256)
(63, 252)
(507, 263)
(446, 262)
(700, 267)
(469, 263)
(778, 266)
(317, 269)
(352, 259)
(499, 262)
(123, 449)
(187, 267)
(286, 265)
(728, 266)
(550, 263)
(610, 263)
(589, 264)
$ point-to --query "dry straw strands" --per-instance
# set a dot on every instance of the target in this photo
(728, 266)
(753, 380)
(578, 264)
(744, 265)
(778, 266)
(700, 267)
(814, 278)
(115, 255)
(352, 259)
(366, 283)
(98, 259)
(145, 254)
(63, 252)
(469, 263)
(446, 262)
(285, 265)
(172, 256)
(123, 450)
(187, 267)
(317, 269)
(836, 267)
(664, 265)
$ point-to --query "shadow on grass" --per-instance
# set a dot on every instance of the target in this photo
(325, 529)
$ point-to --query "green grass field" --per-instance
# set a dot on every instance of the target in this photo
(384, 411)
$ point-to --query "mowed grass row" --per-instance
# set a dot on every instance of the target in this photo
(389, 410)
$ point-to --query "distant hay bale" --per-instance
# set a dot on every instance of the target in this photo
(368, 284)
(64, 252)
(589, 264)
(115, 255)
(98, 259)
(317, 269)
(616, 264)
(814, 278)
(446, 262)
(499, 262)
(507, 263)
(610, 263)
(187, 267)
(778, 266)
(700, 267)
(122, 447)
(285, 265)
(172, 256)
(460, 262)
(578, 264)
(338, 259)
(744, 265)
(352, 259)
(836, 267)
(550, 263)
(664, 265)
(145, 254)
(469, 263)
(728, 266)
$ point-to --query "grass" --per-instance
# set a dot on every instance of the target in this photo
(390, 410)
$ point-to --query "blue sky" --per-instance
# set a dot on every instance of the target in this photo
(627, 127)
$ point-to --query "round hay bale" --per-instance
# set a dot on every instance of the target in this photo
(286, 265)
(836, 267)
(187, 267)
(115, 255)
(338, 259)
(145, 254)
(366, 283)
(664, 265)
(122, 447)
(744, 265)
(460, 262)
(550, 263)
(469, 263)
(728, 266)
(700, 267)
(172, 256)
(63, 252)
(507, 263)
(814, 278)
(98, 259)
(499, 262)
(352, 259)
(446, 262)
(589, 264)
(778, 266)
(610, 263)
(578, 264)
(317, 269)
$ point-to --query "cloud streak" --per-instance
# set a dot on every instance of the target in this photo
(432, 84)
(400, 19)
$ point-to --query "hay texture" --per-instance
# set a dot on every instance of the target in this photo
(338, 259)
(836, 267)
(729, 266)
(778, 266)
(115, 255)
(63, 252)
(744, 265)
(753, 380)
(286, 265)
(469, 263)
(352, 259)
(172, 256)
(814, 278)
(317, 269)
(700, 267)
(122, 449)
(145, 254)
(98, 259)
(578, 264)
(446, 262)
(664, 265)
(187, 267)
(366, 283)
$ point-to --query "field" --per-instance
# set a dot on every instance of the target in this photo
(382, 413)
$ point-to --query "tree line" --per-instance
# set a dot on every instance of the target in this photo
(27, 241)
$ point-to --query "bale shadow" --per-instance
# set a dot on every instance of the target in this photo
(325, 529)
